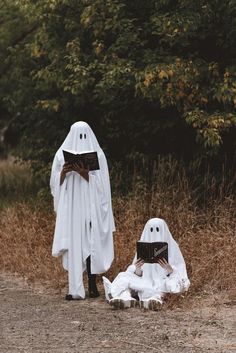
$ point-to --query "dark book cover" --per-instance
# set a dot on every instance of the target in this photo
(152, 252)
(89, 159)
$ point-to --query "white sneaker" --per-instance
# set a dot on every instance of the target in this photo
(151, 304)
(117, 303)
(122, 304)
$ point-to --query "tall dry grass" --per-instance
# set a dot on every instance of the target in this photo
(206, 234)
(16, 181)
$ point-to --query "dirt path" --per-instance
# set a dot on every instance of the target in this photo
(40, 320)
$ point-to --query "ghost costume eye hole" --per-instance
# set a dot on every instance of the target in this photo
(151, 229)
(157, 229)
(80, 136)
(85, 136)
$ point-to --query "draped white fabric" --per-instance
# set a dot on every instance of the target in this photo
(154, 281)
(84, 222)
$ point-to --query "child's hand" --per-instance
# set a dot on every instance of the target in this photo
(138, 264)
(80, 169)
(67, 167)
(164, 264)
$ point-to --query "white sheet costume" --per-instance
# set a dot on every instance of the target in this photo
(154, 282)
(84, 222)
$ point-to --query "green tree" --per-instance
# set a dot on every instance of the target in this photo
(152, 75)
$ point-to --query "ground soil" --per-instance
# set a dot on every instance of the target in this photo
(38, 319)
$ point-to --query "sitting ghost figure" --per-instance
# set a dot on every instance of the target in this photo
(146, 282)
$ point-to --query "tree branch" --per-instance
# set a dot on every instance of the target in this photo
(24, 35)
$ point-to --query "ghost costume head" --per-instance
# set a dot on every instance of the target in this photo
(80, 138)
(156, 230)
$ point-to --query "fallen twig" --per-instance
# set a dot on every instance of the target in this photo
(143, 345)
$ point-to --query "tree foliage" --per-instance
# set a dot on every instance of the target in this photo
(153, 76)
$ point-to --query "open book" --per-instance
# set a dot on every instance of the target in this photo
(89, 159)
(152, 252)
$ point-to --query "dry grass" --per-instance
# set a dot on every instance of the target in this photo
(16, 181)
(26, 239)
(207, 237)
(14, 175)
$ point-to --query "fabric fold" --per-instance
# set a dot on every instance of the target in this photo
(84, 218)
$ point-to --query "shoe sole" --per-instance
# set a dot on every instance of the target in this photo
(122, 304)
(152, 304)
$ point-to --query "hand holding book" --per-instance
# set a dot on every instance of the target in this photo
(82, 170)
(67, 167)
(164, 264)
(76, 167)
(138, 264)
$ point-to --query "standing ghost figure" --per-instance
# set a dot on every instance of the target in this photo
(84, 217)
(150, 282)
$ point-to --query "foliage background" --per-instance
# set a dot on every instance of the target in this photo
(151, 78)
